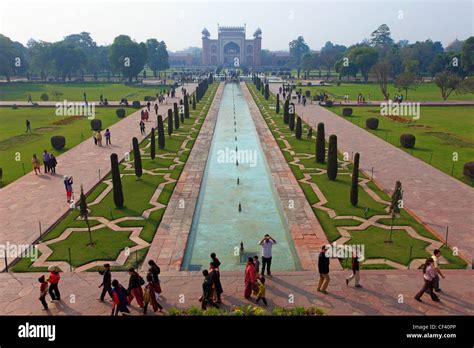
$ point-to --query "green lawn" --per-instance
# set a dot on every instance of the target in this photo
(424, 92)
(137, 194)
(19, 91)
(338, 192)
(18, 147)
(440, 133)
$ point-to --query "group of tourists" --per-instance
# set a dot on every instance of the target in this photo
(49, 162)
(97, 137)
(147, 291)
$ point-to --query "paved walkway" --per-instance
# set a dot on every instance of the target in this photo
(435, 197)
(384, 293)
(34, 199)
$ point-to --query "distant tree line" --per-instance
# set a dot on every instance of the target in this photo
(78, 55)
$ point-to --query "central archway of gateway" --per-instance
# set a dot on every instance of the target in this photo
(218, 226)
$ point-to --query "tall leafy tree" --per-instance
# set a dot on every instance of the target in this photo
(364, 58)
(176, 115)
(84, 212)
(298, 48)
(158, 58)
(330, 54)
(68, 59)
(291, 115)
(286, 112)
(40, 57)
(88, 46)
(467, 56)
(10, 52)
(447, 82)
(382, 71)
(277, 107)
(406, 81)
(127, 56)
(186, 106)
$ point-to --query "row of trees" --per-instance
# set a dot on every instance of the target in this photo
(79, 54)
(174, 118)
(422, 58)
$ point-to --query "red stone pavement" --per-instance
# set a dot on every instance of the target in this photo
(383, 293)
(32, 198)
(438, 199)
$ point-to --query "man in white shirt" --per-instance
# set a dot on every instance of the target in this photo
(436, 255)
(267, 243)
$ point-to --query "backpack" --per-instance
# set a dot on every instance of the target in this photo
(141, 281)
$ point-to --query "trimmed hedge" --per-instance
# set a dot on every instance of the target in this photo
(372, 123)
(58, 142)
(14, 106)
(307, 94)
(44, 97)
(120, 113)
(328, 103)
(347, 112)
(468, 170)
(149, 98)
(96, 124)
(136, 104)
(407, 141)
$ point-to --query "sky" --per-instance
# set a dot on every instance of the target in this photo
(179, 23)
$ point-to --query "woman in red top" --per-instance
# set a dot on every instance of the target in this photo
(53, 280)
(250, 278)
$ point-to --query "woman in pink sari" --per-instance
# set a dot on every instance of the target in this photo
(250, 278)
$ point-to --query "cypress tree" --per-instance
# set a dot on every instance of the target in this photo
(197, 93)
(267, 91)
(299, 128)
(161, 133)
(181, 110)
(194, 102)
(291, 113)
(137, 158)
(176, 115)
(152, 144)
(85, 214)
(186, 106)
(116, 181)
(170, 122)
(355, 181)
(320, 144)
(286, 114)
(277, 109)
(332, 157)
(397, 196)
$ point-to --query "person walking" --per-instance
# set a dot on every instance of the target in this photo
(429, 275)
(135, 287)
(46, 161)
(107, 137)
(99, 138)
(150, 296)
(52, 163)
(68, 185)
(323, 268)
(215, 260)
(43, 291)
(206, 298)
(261, 290)
(154, 271)
(355, 271)
(217, 289)
(28, 126)
(36, 164)
(156, 107)
(120, 299)
(435, 257)
(256, 263)
(106, 284)
(142, 127)
(267, 244)
(250, 278)
(53, 280)
(94, 136)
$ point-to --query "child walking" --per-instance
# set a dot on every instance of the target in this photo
(43, 291)
(261, 290)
